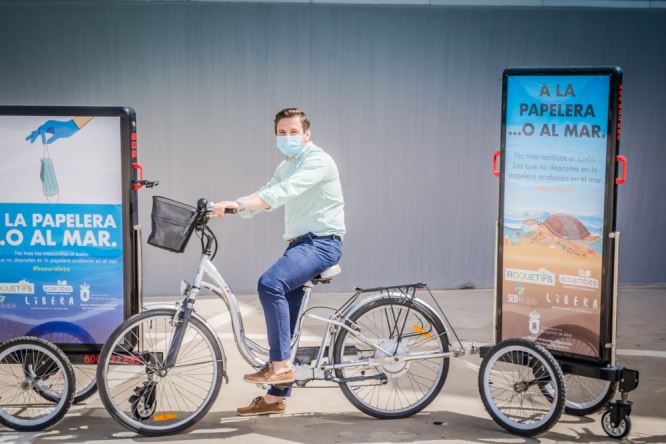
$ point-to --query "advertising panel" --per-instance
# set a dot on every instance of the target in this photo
(554, 209)
(61, 227)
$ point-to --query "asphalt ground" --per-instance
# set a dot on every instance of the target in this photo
(457, 414)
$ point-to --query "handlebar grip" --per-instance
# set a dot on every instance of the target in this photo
(210, 205)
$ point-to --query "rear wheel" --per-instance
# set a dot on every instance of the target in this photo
(401, 328)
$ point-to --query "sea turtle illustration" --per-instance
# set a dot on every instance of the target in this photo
(564, 230)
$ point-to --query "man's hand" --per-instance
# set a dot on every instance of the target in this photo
(218, 208)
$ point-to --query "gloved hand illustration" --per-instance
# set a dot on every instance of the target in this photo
(57, 128)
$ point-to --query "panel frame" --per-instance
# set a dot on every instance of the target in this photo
(131, 257)
(610, 202)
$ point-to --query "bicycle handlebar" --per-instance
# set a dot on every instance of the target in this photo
(205, 203)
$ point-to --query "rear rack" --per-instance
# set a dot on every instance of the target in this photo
(408, 291)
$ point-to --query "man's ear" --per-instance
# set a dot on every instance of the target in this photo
(307, 136)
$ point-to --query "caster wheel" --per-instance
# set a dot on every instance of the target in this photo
(143, 401)
(617, 431)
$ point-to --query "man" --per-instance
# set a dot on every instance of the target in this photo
(307, 183)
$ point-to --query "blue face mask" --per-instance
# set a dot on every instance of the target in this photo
(48, 176)
(289, 145)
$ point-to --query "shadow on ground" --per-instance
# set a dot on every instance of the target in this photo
(322, 428)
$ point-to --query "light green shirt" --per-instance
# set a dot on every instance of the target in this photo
(308, 185)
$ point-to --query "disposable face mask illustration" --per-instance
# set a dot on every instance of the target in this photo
(48, 176)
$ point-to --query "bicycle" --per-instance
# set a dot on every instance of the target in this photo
(161, 370)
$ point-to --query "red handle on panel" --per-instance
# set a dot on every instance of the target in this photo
(136, 185)
(623, 178)
(496, 171)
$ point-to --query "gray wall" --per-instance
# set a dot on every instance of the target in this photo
(406, 99)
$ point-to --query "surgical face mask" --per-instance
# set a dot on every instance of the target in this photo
(48, 176)
(289, 145)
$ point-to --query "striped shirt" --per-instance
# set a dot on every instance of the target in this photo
(308, 185)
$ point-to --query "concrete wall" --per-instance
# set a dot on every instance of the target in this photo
(406, 99)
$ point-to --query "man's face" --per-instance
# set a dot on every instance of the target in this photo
(292, 126)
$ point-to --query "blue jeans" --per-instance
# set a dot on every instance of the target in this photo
(281, 290)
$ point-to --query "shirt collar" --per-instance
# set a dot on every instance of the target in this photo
(307, 148)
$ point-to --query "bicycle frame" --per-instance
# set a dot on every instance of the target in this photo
(247, 347)
(209, 277)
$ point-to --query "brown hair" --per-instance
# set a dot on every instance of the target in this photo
(288, 113)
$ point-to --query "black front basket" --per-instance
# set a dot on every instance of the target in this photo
(172, 224)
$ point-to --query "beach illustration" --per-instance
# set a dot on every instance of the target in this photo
(552, 275)
(576, 236)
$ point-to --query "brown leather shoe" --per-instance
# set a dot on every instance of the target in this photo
(259, 406)
(266, 375)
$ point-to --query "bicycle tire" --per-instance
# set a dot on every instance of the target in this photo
(540, 356)
(581, 407)
(84, 392)
(103, 365)
(585, 342)
(81, 392)
(440, 331)
(62, 403)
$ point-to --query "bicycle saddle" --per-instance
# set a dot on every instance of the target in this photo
(325, 276)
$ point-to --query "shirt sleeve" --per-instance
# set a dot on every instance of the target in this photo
(247, 214)
(311, 172)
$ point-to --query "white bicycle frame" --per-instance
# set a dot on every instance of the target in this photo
(256, 355)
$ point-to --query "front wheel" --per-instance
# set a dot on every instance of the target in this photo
(511, 381)
(143, 395)
(402, 328)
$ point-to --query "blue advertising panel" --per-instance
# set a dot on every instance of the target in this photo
(555, 209)
(63, 229)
